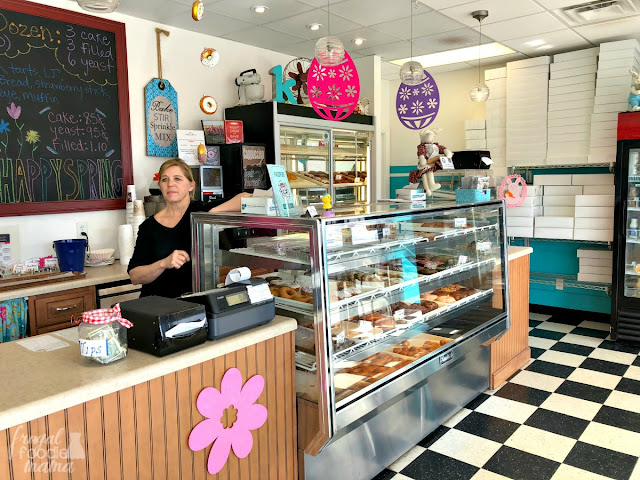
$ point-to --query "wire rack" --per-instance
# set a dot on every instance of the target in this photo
(569, 281)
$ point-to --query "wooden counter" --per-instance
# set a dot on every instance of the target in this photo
(132, 419)
(512, 351)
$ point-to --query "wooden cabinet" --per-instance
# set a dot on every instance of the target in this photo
(53, 311)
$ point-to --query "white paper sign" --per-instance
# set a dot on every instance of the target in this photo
(399, 314)
(94, 348)
(364, 326)
(312, 211)
(259, 293)
(486, 160)
(447, 163)
(462, 259)
(460, 222)
(188, 142)
(42, 343)
(559, 284)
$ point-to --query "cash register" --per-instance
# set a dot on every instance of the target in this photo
(236, 307)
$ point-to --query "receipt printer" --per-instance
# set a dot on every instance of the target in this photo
(163, 325)
(236, 307)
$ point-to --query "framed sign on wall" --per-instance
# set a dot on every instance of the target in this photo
(65, 138)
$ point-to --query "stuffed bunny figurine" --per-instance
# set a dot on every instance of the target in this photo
(634, 96)
(429, 153)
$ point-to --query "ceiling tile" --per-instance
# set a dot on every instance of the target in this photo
(440, 4)
(523, 27)
(428, 23)
(372, 12)
(555, 4)
(547, 43)
(373, 38)
(320, 3)
(302, 49)
(241, 9)
(499, 10)
(263, 37)
(393, 51)
(618, 30)
(387, 68)
(297, 25)
(465, 37)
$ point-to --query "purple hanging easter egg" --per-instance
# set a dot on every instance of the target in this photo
(334, 90)
(418, 105)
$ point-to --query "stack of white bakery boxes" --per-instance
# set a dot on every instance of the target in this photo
(594, 208)
(612, 92)
(496, 80)
(475, 135)
(520, 220)
(527, 92)
(558, 201)
(595, 265)
(572, 90)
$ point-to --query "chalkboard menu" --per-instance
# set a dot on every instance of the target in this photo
(64, 111)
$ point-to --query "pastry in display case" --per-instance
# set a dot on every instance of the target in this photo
(395, 311)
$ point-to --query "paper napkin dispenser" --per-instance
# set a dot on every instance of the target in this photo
(237, 307)
(162, 326)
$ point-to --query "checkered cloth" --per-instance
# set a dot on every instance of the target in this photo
(106, 315)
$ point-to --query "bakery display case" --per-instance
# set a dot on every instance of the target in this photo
(320, 156)
(395, 311)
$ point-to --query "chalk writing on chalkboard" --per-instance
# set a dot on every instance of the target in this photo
(60, 132)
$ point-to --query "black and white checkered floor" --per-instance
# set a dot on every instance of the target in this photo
(573, 413)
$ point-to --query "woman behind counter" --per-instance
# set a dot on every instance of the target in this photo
(160, 261)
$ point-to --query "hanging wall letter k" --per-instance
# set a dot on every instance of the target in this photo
(281, 90)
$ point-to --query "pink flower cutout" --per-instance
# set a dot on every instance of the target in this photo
(212, 403)
(13, 111)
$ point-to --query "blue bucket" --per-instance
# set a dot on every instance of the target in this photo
(71, 254)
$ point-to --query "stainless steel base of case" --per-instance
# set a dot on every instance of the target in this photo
(389, 431)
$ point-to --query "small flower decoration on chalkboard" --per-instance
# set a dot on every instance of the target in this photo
(218, 406)
(13, 111)
(4, 127)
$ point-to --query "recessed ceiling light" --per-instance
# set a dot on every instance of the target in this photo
(459, 55)
(359, 41)
(259, 9)
(314, 26)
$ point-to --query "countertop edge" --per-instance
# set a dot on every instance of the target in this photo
(26, 412)
(517, 252)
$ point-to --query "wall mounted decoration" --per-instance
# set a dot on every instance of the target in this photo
(209, 57)
(298, 69)
(161, 107)
(513, 190)
(334, 90)
(197, 10)
(218, 407)
(417, 105)
(51, 85)
(281, 90)
(208, 105)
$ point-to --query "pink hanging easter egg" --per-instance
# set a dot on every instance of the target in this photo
(334, 90)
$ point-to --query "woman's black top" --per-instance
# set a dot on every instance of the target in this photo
(155, 242)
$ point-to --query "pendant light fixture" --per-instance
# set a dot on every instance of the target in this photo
(480, 91)
(329, 50)
(411, 72)
(99, 6)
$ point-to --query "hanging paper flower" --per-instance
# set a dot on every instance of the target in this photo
(4, 126)
(212, 404)
(339, 88)
(32, 136)
(13, 111)
(417, 107)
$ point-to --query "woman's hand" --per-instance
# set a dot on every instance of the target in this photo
(176, 260)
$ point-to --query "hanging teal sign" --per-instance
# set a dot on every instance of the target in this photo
(161, 107)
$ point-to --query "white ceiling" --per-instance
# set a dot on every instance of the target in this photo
(530, 27)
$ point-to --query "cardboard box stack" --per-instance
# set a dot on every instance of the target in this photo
(475, 134)
(527, 92)
(595, 265)
(496, 80)
(594, 208)
(558, 200)
(612, 92)
(520, 220)
(572, 89)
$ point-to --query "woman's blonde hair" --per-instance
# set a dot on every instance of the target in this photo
(176, 162)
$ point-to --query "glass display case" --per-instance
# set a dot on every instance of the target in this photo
(395, 309)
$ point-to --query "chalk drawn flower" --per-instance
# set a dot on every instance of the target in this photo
(212, 404)
(4, 126)
(32, 136)
(427, 89)
(405, 93)
(432, 102)
(346, 73)
(351, 91)
(417, 107)
(402, 109)
(333, 93)
(13, 111)
(316, 92)
(318, 73)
